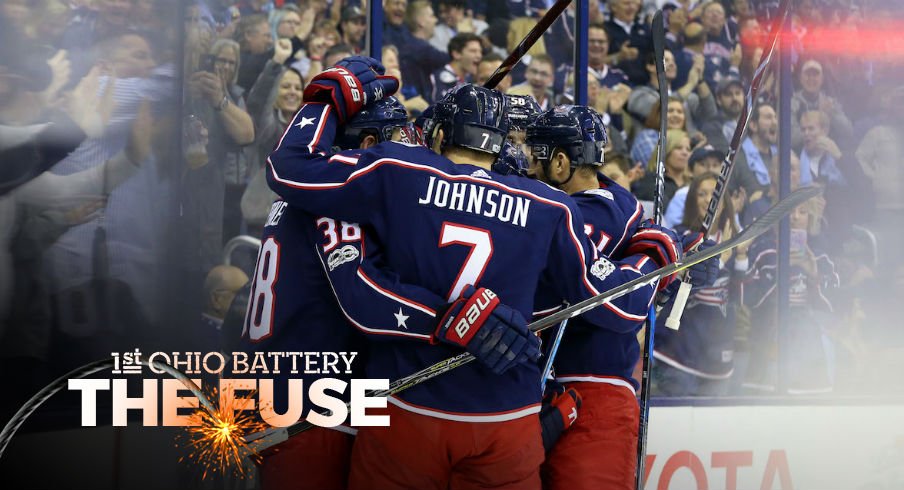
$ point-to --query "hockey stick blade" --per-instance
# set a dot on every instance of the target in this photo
(528, 42)
(769, 219)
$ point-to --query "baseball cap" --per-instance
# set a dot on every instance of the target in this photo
(703, 152)
(351, 13)
(726, 83)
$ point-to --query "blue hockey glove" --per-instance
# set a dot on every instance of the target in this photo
(491, 331)
(660, 244)
(558, 412)
(705, 273)
(511, 161)
(350, 85)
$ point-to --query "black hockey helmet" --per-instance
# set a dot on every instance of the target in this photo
(521, 111)
(472, 117)
(379, 119)
(577, 130)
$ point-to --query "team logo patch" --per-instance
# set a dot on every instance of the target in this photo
(602, 268)
(342, 255)
(481, 174)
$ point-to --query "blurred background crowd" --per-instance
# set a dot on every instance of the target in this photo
(133, 134)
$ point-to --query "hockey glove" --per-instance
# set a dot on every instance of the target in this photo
(350, 85)
(705, 273)
(558, 413)
(659, 243)
(492, 332)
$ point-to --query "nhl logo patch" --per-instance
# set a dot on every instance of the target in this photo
(341, 256)
(602, 268)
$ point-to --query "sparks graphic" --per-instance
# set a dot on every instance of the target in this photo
(216, 439)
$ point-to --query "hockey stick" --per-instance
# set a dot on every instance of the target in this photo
(271, 437)
(9, 430)
(551, 355)
(674, 318)
(528, 42)
(659, 55)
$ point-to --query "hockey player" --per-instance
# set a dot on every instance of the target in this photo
(521, 111)
(303, 258)
(447, 221)
(598, 451)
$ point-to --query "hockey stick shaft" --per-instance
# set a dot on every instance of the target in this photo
(674, 318)
(528, 42)
(760, 226)
(33, 403)
(752, 91)
(649, 332)
(551, 356)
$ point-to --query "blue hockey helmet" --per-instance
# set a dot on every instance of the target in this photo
(577, 130)
(511, 160)
(378, 119)
(472, 117)
(521, 111)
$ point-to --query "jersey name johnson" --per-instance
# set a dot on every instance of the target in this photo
(472, 198)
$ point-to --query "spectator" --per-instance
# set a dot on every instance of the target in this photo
(720, 41)
(613, 82)
(419, 59)
(630, 39)
(699, 104)
(486, 68)
(677, 152)
(110, 17)
(539, 81)
(255, 39)
(759, 147)
(451, 14)
(646, 139)
(394, 30)
(820, 156)
(352, 27)
(220, 287)
(414, 105)
(335, 54)
(730, 102)
(698, 359)
(812, 278)
(879, 155)
(289, 23)
(703, 160)
(272, 103)
(715, 68)
(597, 58)
(811, 97)
(465, 51)
(217, 99)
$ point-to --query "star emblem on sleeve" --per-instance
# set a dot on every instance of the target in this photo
(305, 121)
(401, 318)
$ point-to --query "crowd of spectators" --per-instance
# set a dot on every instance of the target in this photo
(133, 142)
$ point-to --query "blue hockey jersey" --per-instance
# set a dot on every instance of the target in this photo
(444, 226)
(607, 355)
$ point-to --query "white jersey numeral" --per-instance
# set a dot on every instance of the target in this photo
(348, 232)
(259, 317)
(481, 251)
